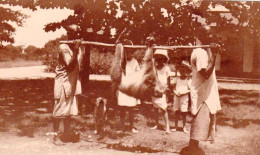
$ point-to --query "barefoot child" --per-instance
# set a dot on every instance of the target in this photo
(127, 103)
(159, 98)
(181, 92)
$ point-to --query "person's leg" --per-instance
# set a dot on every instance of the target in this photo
(56, 129)
(131, 116)
(57, 121)
(184, 114)
(122, 116)
(176, 120)
(69, 135)
(56, 124)
(166, 119)
(156, 118)
(212, 128)
(67, 124)
(131, 119)
(199, 131)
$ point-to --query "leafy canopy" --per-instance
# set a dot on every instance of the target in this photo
(171, 21)
(7, 16)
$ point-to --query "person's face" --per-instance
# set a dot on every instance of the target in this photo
(184, 71)
(160, 61)
(129, 54)
(73, 32)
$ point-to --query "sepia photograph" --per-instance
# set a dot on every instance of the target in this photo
(129, 77)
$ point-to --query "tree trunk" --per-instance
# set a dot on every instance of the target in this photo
(85, 70)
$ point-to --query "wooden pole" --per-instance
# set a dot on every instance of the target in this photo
(86, 61)
(136, 46)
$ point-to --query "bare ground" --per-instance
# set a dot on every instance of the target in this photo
(25, 118)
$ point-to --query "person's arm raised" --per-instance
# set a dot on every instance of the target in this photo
(206, 72)
(69, 59)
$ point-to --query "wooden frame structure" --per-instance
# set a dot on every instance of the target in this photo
(85, 77)
(137, 46)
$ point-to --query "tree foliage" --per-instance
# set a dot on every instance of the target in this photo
(171, 21)
(6, 29)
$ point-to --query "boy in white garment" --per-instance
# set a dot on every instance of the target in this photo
(182, 95)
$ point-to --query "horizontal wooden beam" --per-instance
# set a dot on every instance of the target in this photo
(136, 46)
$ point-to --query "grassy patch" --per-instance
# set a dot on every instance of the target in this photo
(239, 108)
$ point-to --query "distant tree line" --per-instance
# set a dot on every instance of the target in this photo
(11, 53)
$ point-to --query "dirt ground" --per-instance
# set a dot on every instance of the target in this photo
(25, 120)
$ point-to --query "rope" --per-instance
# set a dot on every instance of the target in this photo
(135, 46)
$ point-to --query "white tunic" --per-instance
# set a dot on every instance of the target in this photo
(67, 85)
(181, 102)
(203, 90)
(122, 98)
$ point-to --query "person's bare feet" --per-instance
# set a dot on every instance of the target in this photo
(57, 141)
(134, 130)
(167, 131)
(185, 130)
(154, 127)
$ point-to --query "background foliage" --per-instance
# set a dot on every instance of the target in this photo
(172, 22)
(11, 53)
(7, 16)
(166, 19)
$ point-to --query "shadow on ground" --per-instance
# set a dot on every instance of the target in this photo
(26, 106)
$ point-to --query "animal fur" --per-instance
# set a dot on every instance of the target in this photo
(100, 115)
(80, 57)
(118, 64)
(140, 84)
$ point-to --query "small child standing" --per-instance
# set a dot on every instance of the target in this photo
(127, 103)
(181, 94)
(159, 99)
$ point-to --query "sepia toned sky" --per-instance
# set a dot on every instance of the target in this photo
(32, 33)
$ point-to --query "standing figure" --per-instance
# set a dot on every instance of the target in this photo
(159, 100)
(66, 88)
(127, 103)
(205, 98)
(182, 95)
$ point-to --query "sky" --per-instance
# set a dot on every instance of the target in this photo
(32, 33)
